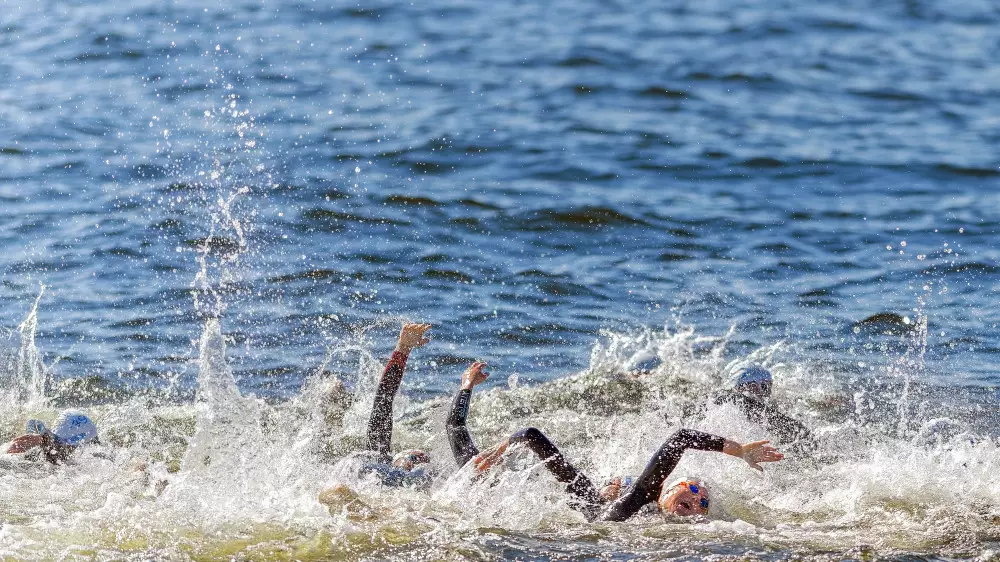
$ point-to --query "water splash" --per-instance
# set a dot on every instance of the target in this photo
(31, 371)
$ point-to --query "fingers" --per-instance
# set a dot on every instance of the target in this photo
(412, 335)
(475, 374)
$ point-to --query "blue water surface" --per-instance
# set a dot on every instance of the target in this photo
(522, 175)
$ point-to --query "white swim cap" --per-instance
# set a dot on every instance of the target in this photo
(74, 428)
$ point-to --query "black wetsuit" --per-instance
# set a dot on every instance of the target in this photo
(380, 422)
(380, 431)
(461, 442)
(586, 497)
(787, 429)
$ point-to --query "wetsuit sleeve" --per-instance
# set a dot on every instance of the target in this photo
(786, 428)
(587, 498)
(380, 423)
(646, 488)
(461, 442)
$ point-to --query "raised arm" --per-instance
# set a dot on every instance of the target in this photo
(380, 424)
(786, 428)
(647, 487)
(461, 442)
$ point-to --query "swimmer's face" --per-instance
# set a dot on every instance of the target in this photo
(685, 498)
(410, 459)
(761, 389)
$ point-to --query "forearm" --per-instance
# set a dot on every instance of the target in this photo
(587, 497)
(380, 422)
(459, 438)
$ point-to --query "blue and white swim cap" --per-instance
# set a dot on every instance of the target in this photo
(74, 428)
(751, 375)
(36, 426)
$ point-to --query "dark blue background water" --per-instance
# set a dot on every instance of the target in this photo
(522, 175)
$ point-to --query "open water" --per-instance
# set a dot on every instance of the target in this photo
(564, 189)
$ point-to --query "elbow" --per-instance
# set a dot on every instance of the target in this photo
(683, 435)
(530, 434)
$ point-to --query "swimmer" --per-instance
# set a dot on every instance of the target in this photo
(622, 498)
(751, 393)
(72, 431)
(407, 468)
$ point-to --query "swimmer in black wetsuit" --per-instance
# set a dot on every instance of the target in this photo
(407, 467)
(615, 502)
(751, 393)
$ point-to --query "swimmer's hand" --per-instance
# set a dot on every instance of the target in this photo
(25, 443)
(474, 375)
(754, 453)
(412, 337)
(490, 457)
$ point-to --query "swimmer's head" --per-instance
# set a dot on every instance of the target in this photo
(410, 459)
(753, 380)
(685, 497)
(74, 428)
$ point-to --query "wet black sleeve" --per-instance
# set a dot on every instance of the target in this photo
(647, 487)
(587, 498)
(461, 442)
(786, 428)
(380, 423)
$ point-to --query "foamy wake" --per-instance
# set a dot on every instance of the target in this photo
(231, 475)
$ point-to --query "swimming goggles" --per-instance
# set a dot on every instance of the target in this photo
(696, 490)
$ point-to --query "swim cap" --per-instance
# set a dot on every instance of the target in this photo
(74, 428)
(36, 426)
(751, 375)
(410, 458)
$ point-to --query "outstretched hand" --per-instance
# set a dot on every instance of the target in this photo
(490, 457)
(412, 337)
(758, 452)
(474, 375)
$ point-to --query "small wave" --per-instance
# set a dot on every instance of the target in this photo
(586, 217)
(886, 323)
(448, 275)
(311, 275)
(972, 172)
(216, 243)
(479, 204)
(117, 251)
(149, 171)
(966, 267)
(733, 77)
(763, 162)
(585, 89)
(133, 323)
(411, 200)
(671, 256)
(363, 13)
(329, 216)
(580, 61)
(888, 95)
(665, 93)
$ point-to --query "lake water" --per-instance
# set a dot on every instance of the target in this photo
(562, 189)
